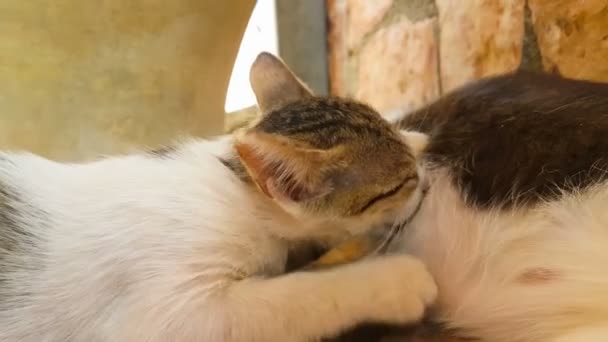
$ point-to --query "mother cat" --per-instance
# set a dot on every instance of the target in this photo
(515, 225)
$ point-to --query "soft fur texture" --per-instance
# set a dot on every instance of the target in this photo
(522, 275)
(515, 226)
(189, 243)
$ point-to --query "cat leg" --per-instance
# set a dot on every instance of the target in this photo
(587, 334)
(316, 256)
(305, 306)
(350, 251)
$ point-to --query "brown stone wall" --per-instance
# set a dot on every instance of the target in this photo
(401, 54)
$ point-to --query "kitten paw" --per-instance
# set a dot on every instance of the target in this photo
(404, 288)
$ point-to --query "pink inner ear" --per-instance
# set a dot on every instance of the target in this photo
(254, 164)
(270, 176)
(284, 187)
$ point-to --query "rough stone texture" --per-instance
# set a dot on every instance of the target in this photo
(479, 38)
(82, 78)
(363, 16)
(415, 10)
(398, 66)
(573, 37)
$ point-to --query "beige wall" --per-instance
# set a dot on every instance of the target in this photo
(79, 78)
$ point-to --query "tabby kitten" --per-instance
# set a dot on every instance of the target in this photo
(189, 243)
(515, 225)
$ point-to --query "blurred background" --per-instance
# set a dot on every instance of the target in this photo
(403, 53)
(83, 78)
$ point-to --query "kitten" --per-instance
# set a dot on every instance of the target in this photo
(514, 227)
(189, 243)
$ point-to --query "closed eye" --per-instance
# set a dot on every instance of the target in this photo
(384, 195)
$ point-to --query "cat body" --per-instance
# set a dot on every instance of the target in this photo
(190, 243)
(515, 225)
(116, 266)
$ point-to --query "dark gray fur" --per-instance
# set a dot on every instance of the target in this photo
(163, 151)
(233, 163)
(518, 139)
(19, 245)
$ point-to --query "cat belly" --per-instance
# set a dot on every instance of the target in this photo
(530, 274)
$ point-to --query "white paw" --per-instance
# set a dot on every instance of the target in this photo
(402, 289)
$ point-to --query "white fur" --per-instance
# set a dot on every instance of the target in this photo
(416, 141)
(485, 264)
(144, 248)
(397, 113)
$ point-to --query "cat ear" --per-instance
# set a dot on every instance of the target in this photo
(274, 84)
(285, 173)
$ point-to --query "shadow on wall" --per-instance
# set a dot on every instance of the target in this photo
(82, 78)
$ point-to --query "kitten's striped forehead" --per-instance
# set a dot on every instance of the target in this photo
(326, 122)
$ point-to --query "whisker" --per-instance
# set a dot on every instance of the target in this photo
(397, 229)
(381, 248)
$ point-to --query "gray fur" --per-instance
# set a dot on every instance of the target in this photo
(20, 247)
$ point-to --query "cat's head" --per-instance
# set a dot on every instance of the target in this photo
(326, 159)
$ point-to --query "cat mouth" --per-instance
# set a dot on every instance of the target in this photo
(398, 227)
